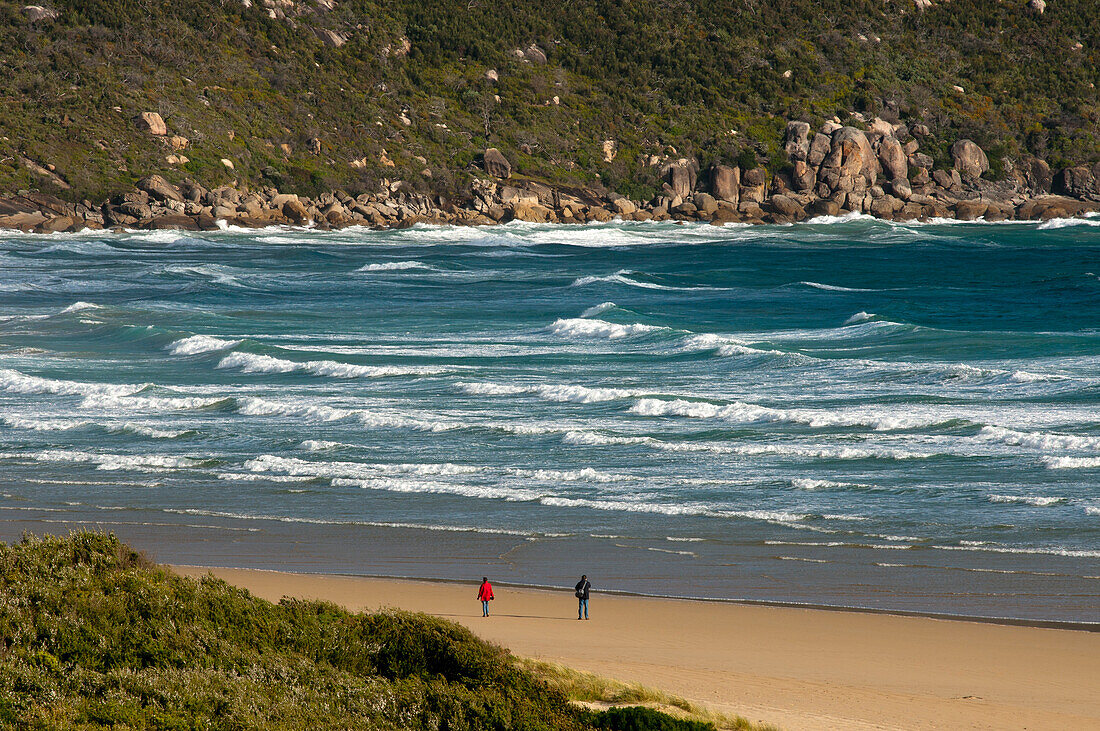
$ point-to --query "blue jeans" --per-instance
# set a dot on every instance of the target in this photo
(582, 608)
(485, 609)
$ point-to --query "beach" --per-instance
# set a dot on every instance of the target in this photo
(796, 668)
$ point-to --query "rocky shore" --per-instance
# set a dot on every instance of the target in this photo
(878, 171)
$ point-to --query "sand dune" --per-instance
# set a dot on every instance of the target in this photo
(798, 668)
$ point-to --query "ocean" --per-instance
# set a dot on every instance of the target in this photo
(846, 412)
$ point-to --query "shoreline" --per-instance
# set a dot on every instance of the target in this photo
(1054, 590)
(798, 667)
(1067, 625)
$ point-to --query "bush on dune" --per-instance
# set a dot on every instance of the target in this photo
(95, 636)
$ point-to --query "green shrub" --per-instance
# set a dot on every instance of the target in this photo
(640, 718)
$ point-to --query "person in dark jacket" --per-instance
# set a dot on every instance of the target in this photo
(485, 595)
(582, 589)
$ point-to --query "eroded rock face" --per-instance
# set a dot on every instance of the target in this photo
(496, 164)
(725, 182)
(855, 154)
(681, 179)
(803, 177)
(752, 185)
(891, 155)
(796, 141)
(1079, 181)
(1033, 175)
(969, 159)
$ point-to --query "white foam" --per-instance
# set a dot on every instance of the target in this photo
(118, 462)
(79, 307)
(319, 445)
(622, 277)
(1029, 377)
(843, 218)
(126, 403)
(1072, 463)
(254, 363)
(256, 406)
(860, 317)
(1092, 510)
(311, 411)
(1056, 223)
(1037, 501)
(353, 470)
(597, 309)
(729, 346)
(200, 344)
(752, 413)
(808, 483)
(565, 393)
(19, 422)
(593, 439)
(835, 288)
(366, 523)
(1067, 552)
(393, 266)
(152, 432)
(13, 380)
(586, 474)
(1037, 440)
(578, 327)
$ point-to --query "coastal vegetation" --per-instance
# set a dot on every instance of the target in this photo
(313, 96)
(93, 635)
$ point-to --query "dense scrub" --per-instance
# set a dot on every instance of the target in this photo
(710, 80)
(94, 636)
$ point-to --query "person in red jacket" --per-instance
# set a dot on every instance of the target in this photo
(485, 595)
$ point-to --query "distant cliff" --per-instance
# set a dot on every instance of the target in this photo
(313, 96)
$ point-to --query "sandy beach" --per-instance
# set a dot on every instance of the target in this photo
(797, 668)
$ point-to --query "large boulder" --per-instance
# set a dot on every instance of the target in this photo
(152, 123)
(752, 185)
(681, 178)
(796, 141)
(705, 204)
(851, 152)
(534, 54)
(496, 164)
(725, 182)
(819, 149)
(895, 163)
(969, 159)
(294, 210)
(787, 206)
(37, 13)
(159, 188)
(803, 177)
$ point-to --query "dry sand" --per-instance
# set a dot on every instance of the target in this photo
(796, 668)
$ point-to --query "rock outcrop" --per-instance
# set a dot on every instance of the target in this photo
(496, 164)
(969, 159)
(152, 123)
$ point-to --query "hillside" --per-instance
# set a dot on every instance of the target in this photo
(94, 636)
(318, 95)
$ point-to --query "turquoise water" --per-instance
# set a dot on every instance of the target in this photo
(853, 412)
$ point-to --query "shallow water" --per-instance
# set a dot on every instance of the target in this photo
(851, 412)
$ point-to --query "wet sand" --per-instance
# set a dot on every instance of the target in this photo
(797, 668)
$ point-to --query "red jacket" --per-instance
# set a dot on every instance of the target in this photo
(485, 593)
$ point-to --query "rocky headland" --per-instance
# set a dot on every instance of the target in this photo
(879, 171)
